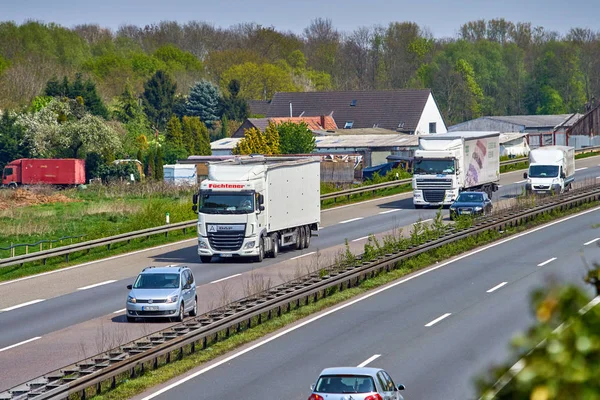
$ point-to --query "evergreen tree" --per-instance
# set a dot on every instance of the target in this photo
(158, 165)
(139, 156)
(188, 135)
(11, 138)
(174, 134)
(78, 89)
(158, 97)
(150, 166)
(257, 142)
(295, 138)
(201, 139)
(232, 106)
(128, 108)
(224, 127)
(204, 102)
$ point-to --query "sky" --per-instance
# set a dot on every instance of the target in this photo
(441, 17)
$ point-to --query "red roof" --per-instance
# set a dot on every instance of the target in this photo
(317, 123)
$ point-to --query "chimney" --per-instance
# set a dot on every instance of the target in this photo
(323, 121)
(291, 115)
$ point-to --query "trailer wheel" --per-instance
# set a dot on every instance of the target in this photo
(275, 243)
(299, 239)
(307, 236)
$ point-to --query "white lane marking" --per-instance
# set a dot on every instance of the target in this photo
(22, 305)
(523, 181)
(351, 220)
(119, 311)
(496, 287)
(591, 241)
(360, 238)
(96, 285)
(352, 302)
(598, 177)
(20, 343)
(368, 361)
(390, 211)
(303, 255)
(438, 319)
(580, 169)
(425, 220)
(408, 194)
(322, 227)
(500, 186)
(97, 261)
(224, 279)
(546, 262)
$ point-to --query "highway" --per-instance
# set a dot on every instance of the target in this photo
(78, 312)
(434, 331)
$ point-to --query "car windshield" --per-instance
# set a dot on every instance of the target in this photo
(7, 172)
(543, 171)
(345, 384)
(226, 203)
(470, 198)
(434, 167)
(157, 281)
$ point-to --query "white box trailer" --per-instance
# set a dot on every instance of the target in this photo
(551, 170)
(180, 174)
(449, 163)
(250, 206)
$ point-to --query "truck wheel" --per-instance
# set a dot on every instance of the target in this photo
(205, 259)
(275, 251)
(261, 250)
(299, 240)
(307, 236)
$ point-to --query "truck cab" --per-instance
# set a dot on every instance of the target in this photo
(551, 170)
(11, 174)
(435, 178)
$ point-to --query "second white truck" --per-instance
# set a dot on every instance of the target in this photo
(449, 163)
(551, 170)
(250, 206)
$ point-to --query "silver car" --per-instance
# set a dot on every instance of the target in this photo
(354, 383)
(160, 292)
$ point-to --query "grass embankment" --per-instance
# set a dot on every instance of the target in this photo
(100, 211)
(147, 377)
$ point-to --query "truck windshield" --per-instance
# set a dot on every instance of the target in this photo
(543, 171)
(423, 166)
(226, 203)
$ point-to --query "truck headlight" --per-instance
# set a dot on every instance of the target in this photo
(249, 245)
(131, 299)
(172, 299)
(202, 244)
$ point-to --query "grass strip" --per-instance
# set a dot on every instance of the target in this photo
(127, 387)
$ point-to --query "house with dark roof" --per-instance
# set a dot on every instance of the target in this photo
(315, 124)
(412, 111)
(518, 123)
(259, 107)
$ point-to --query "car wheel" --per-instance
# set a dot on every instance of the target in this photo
(205, 259)
(275, 244)
(12, 185)
(130, 319)
(181, 315)
(194, 311)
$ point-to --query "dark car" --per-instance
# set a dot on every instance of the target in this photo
(471, 203)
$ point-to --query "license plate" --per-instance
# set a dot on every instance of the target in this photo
(465, 212)
(150, 308)
(226, 255)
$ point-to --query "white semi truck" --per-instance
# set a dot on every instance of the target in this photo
(449, 163)
(250, 206)
(551, 170)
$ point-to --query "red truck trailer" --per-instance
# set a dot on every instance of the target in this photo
(44, 171)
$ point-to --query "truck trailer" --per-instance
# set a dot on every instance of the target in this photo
(250, 206)
(449, 163)
(551, 170)
(44, 171)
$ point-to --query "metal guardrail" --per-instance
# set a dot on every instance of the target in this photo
(365, 189)
(40, 243)
(95, 373)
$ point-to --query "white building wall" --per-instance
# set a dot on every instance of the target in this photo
(431, 113)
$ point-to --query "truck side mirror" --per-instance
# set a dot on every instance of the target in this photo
(195, 198)
(261, 200)
(562, 175)
(524, 175)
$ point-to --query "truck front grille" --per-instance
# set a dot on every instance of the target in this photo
(434, 183)
(226, 241)
(434, 196)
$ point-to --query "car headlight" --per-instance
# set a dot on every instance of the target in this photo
(478, 208)
(202, 244)
(172, 299)
(131, 299)
(249, 245)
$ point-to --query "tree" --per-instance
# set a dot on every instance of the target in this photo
(158, 165)
(295, 138)
(234, 107)
(257, 142)
(195, 136)
(203, 102)
(62, 130)
(158, 97)
(93, 165)
(150, 164)
(11, 139)
(127, 107)
(86, 90)
(260, 81)
(174, 134)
